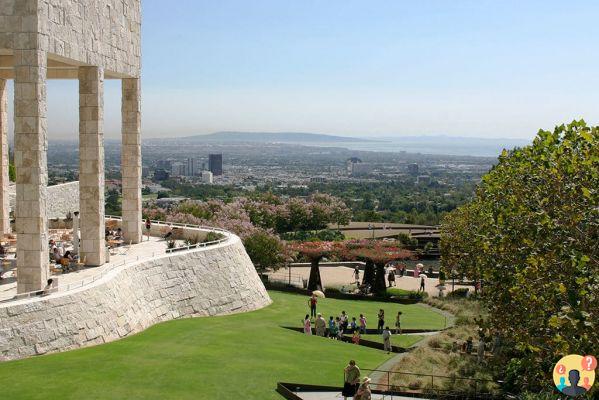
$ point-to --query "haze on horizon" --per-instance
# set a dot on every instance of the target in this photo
(353, 68)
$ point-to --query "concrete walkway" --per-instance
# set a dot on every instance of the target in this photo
(337, 395)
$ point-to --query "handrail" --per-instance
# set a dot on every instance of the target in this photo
(432, 377)
(101, 274)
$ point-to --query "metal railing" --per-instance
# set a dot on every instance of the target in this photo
(461, 387)
(90, 280)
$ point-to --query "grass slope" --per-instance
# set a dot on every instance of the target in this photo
(229, 357)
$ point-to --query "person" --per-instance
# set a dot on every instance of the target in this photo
(333, 328)
(46, 290)
(480, 351)
(357, 275)
(421, 284)
(356, 338)
(362, 324)
(363, 392)
(573, 389)
(398, 323)
(344, 321)
(353, 326)
(307, 325)
(469, 345)
(352, 379)
(381, 317)
(148, 227)
(339, 328)
(387, 340)
(119, 233)
(312, 303)
(56, 254)
(391, 277)
(587, 383)
(320, 325)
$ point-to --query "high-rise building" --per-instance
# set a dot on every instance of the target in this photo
(164, 164)
(413, 169)
(215, 164)
(191, 167)
(178, 169)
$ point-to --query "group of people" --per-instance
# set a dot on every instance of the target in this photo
(352, 388)
(61, 256)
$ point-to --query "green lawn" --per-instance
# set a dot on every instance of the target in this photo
(230, 357)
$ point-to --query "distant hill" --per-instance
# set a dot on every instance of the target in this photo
(274, 137)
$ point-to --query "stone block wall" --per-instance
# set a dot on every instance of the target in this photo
(62, 199)
(203, 282)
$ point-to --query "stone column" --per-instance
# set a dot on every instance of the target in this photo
(131, 160)
(4, 204)
(92, 245)
(76, 232)
(31, 168)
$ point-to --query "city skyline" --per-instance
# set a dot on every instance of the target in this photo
(382, 69)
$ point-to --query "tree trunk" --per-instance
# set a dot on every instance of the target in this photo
(380, 286)
(314, 283)
(368, 278)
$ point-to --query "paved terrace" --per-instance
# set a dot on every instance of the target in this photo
(85, 275)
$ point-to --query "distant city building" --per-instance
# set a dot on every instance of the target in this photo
(178, 169)
(164, 164)
(160, 175)
(206, 177)
(350, 163)
(413, 169)
(318, 179)
(423, 179)
(145, 171)
(191, 167)
(360, 169)
(215, 164)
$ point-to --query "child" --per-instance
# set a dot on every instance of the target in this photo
(307, 325)
(353, 326)
(339, 328)
(356, 338)
(398, 323)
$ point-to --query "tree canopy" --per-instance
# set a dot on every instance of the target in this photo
(531, 234)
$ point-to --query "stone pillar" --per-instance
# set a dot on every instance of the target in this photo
(92, 245)
(131, 160)
(31, 168)
(4, 204)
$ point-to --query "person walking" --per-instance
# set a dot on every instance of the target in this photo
(148, 227)
(381, 323)
(352, 379)
(398, 323)
(307, 325)
(362, 324)
(312, 302)
(391, 277)
(421, 284)
(353, 326)
(321, 325)
(364, 392)
(387, 340)
(357, 275)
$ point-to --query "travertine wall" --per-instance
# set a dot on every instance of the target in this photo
(204, 282)
(101, 33)
(62, 199)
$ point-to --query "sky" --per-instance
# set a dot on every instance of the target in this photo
(357, 68)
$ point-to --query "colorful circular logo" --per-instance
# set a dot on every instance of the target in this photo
(574, 375)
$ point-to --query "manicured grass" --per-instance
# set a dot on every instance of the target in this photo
(232, 357)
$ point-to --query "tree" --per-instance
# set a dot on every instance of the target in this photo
(265, 250)
(315, 252)
(531, 233)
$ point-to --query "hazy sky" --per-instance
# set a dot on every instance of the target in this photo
(364, 68)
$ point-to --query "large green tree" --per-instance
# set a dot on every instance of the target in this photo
(531, 233)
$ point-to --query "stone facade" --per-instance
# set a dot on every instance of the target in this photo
(63, 199)
(4, 183)
(91, 165)
(203, 282)
(131, 159)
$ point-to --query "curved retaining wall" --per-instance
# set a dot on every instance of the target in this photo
(210, 281)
